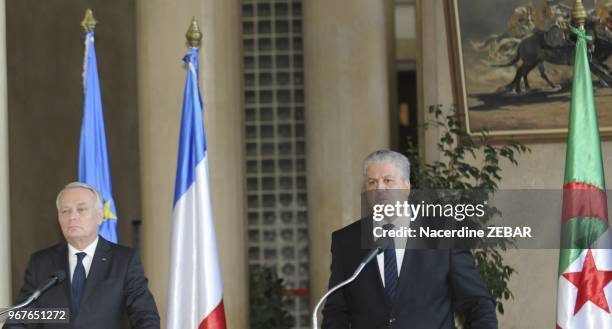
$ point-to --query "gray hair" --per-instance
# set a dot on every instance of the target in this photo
(400, 161)
(73, 185)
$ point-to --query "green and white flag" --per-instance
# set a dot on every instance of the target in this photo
(584, 295)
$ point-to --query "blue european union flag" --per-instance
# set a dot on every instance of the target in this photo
(93, 154)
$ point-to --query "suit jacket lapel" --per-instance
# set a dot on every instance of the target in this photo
(60, 260)
(411, 249)
(99, 266)
(371, 269)
(373, 272)
(405, 272)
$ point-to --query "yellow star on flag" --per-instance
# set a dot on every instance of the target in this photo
(108, 214)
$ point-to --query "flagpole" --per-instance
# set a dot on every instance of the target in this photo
(195, 289)
(93, 163)
(584, 258)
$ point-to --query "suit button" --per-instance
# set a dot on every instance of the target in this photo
(391, 320)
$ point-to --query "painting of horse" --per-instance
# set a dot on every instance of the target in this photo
(512, 62)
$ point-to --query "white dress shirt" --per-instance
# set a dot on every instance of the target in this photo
(72, 257)
(399, 252)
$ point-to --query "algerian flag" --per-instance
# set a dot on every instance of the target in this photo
(584, 297)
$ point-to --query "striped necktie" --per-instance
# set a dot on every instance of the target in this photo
(391, 279)
(78, 282)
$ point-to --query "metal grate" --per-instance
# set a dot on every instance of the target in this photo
(274, 137)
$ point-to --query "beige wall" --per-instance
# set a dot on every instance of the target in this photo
(541, 169)
(45, 91)
(160, 40)
(346, 61)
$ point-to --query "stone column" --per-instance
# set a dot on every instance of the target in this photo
(434, 79)
(161, 28)
(347, 114)
(5, 241)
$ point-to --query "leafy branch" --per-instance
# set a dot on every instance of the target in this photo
(463, 169)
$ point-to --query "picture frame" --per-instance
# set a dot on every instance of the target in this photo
(483, 38)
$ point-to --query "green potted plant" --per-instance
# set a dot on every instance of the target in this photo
(266, 300)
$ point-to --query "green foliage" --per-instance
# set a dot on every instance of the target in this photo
(461, 169)
(266, 300)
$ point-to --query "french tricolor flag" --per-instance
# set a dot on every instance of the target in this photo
(195, 296)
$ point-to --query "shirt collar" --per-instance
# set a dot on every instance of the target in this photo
(89, 250)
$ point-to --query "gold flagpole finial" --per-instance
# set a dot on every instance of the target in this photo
(89, 22)
(193, 35)
(579, 15)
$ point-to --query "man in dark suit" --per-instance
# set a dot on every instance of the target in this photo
(416, 289)
(104, 282)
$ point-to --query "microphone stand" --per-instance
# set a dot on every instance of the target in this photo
(26, 303)
(332, 290)
(379, 245)
(54, 279)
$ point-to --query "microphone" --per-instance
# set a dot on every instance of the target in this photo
(54, 278)
(379, 246)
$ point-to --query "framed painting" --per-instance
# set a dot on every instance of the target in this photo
(511, 65)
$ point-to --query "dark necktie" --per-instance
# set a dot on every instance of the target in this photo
(391, 279)
(78, 282)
